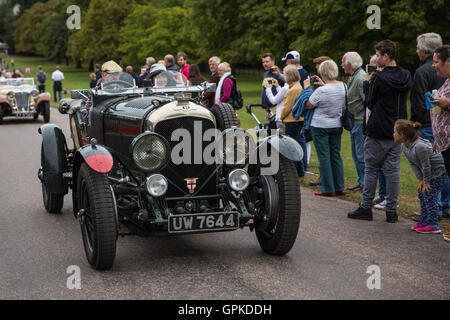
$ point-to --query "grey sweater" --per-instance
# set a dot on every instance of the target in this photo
(422, 160)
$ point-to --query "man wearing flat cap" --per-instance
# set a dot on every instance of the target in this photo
(109, 68)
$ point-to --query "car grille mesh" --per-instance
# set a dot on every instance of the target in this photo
(22, 100)
(178, 173)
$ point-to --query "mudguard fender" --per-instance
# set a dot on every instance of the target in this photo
(285, 145)
(55, 159)
(97, 157)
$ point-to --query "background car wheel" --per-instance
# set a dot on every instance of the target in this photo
(225, 116)
(98, 221)
(35, 116)
(53, 202)
(46, 112)
(1, 115)
(279, 238)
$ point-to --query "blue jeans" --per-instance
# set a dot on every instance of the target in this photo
(294, 130)
(357, 143)
(54, 94)
(427, 133)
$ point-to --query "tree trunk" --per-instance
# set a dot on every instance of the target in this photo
(91, 65)
(79, 65)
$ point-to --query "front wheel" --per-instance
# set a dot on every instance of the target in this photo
(97, 217)
(281, 228)
(53, 202)
(46, 112)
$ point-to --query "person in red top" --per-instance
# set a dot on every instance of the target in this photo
(223, 90)
(182, 62)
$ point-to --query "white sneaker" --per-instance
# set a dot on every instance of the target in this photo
(381, 205)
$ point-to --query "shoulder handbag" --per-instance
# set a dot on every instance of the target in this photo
(347, 118)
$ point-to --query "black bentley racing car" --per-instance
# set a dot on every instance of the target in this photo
(154, 161)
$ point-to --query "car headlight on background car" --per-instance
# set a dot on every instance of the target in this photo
(150, 152)
(156, 185)
(11, 96)
(238, 179)
(34, 94)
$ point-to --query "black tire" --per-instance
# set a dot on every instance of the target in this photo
(1, 115)
(225, 116)
(35, 116)
(46, 112)
(279, 239)
(53, 202)
(98, 227)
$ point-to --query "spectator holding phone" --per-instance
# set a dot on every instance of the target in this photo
(326, 127)
(277, 99)
(387, 95)
(271, 72)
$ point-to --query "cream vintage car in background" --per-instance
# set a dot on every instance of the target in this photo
(19, 98)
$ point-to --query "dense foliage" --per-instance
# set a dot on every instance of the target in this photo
(237, 31)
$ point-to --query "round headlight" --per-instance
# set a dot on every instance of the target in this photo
(150, 152)
(157, 185)
(238, 180)
(34, 93)
(237, 145)
(11, 95)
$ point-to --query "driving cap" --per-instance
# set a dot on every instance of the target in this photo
(111, 67)
(291, 55)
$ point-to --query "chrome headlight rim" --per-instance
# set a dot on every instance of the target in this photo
(248, 148)
(11, 95)
(163, 162)
(34, 93)
(151, 179)
(242, 173)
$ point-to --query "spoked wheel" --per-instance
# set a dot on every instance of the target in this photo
(53, 202)
(97, 218)
(279, 219)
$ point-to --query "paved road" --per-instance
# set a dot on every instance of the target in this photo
(329, 260)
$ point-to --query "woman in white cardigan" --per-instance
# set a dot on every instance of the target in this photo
(277, 100)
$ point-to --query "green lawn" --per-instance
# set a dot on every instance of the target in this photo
(251, 90)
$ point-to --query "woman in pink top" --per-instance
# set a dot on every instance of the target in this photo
(223, 91)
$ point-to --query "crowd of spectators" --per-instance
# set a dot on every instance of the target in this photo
(377, 98)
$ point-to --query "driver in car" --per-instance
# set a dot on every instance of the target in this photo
(110, 71)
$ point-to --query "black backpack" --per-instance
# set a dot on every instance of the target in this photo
(41, 76)
(236, 99)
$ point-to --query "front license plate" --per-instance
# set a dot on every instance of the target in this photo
(203, 222)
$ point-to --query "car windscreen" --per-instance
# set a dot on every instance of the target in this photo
(169, 79)
(117, 82)
(17, 83)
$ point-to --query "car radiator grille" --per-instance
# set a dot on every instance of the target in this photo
(178, 173)
(22, 100)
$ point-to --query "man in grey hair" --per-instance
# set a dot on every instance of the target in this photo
(426, 79)
(351, 63)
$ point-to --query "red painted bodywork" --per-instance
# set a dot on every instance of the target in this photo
(100, 163)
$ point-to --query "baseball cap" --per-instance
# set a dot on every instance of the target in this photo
(291, 55)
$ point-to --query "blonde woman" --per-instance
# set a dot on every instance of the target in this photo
(293, 127)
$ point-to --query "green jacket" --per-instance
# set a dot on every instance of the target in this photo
(356, 95)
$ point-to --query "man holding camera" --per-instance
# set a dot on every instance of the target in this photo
(272, 72)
